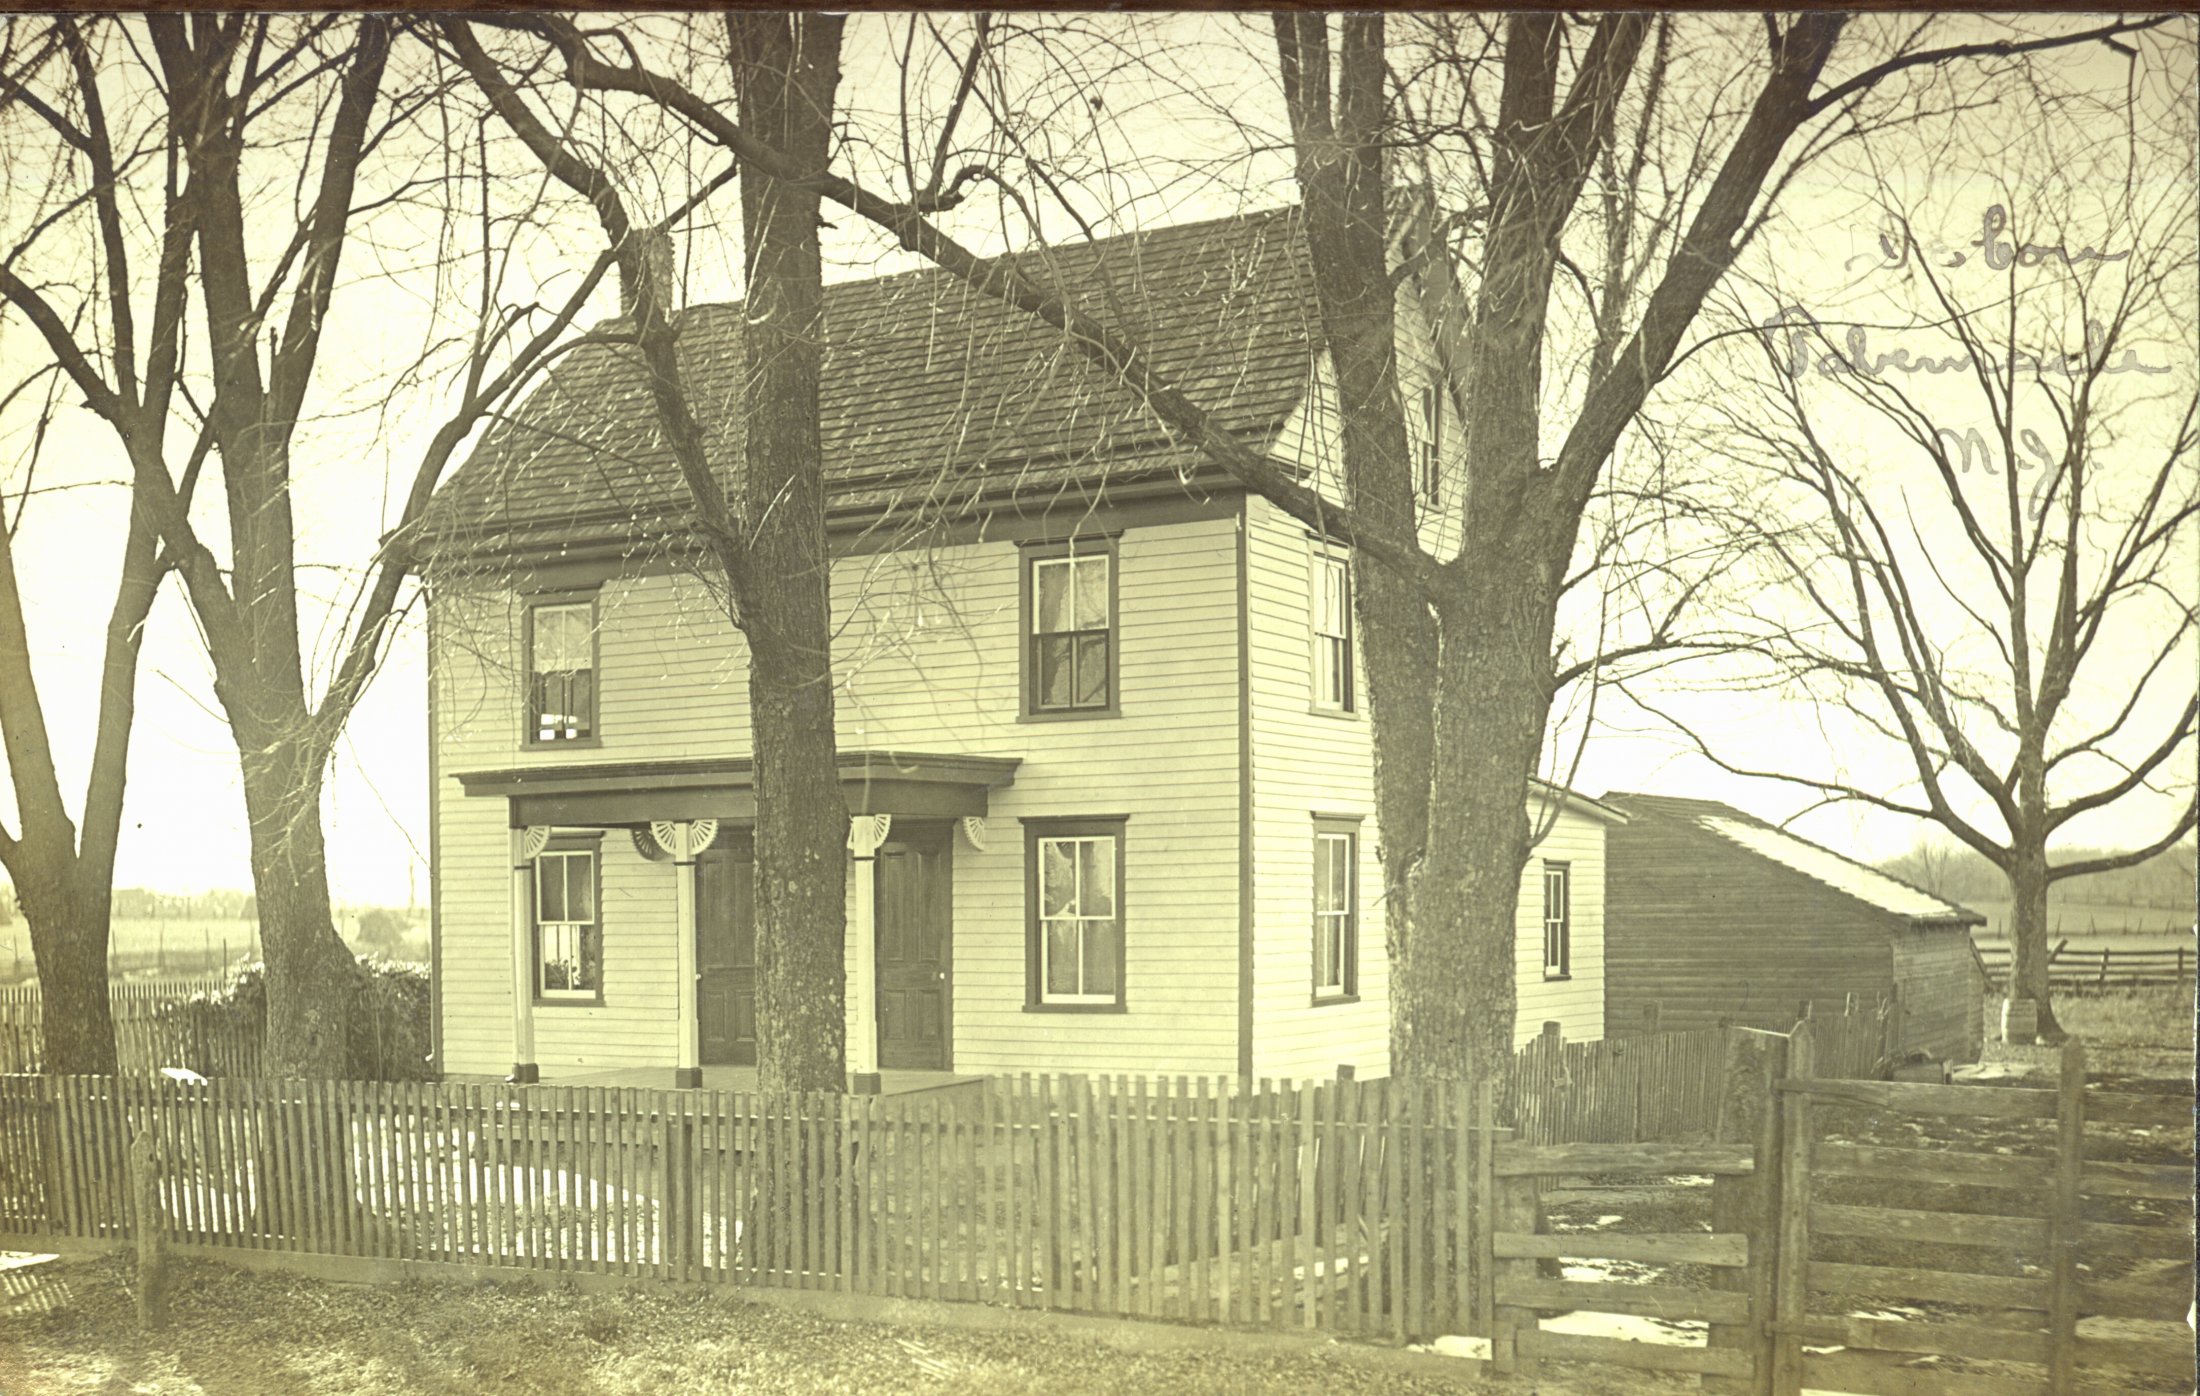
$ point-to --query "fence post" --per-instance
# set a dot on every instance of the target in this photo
(1789, 1237)
(50, 1136)
(1749, 1113)
(2063, 1223)
(150, 1226)
(1512, 1212)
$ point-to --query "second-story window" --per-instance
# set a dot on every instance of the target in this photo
(1069, 660)
(561, 671)
(1428, 446)
(1331, 618)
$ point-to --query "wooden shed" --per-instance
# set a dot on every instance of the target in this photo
(1714, 916)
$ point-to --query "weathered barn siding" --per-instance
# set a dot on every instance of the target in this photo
(1935, 967)
(1709, 932)
(927, 658)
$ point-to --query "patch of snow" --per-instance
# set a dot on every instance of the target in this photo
(1689, 1180)
(1666, 1332)
(1456, 1345)
(1600, 1271)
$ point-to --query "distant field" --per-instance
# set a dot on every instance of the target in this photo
(147, 945)
(2091, 921)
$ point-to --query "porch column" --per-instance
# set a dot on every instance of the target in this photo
(526, 843)
(685, 840)
(865, 833)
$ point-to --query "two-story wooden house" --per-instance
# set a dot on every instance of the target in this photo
(1099, 710)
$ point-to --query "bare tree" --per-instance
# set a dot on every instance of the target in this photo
(766, 544)
(1471, 622)
(233, 155)
(1996, 587)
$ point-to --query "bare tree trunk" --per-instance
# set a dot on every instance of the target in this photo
(786, 68)
(2028, 948)
(312, 976)
(1496, 648)
(68, 924)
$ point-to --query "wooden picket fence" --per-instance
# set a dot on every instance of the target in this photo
(1659, 1087)
(158, 1022)
(1342, 1205)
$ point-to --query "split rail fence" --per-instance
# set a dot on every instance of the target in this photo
(2108, 968)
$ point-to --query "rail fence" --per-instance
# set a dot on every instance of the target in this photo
(158, 1023)
(2106, 969)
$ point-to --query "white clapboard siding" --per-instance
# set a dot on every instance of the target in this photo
(1575, 1003)
(1306, 762)
(926, 658)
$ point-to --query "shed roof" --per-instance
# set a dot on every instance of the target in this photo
(1815, 861)
(931, 393)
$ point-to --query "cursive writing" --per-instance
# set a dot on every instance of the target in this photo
(1997, 252)
(1799, 356)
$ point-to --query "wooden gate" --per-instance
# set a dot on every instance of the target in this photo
(1980, 1240)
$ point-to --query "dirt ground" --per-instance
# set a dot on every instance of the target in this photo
(236, 1333)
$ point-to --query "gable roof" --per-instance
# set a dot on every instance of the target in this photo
(1815, 861)
(932, 394)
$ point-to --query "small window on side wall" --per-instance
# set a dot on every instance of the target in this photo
(1331, 623)
(1558, 921)
(1336, 910)
(1075, 893)
(568, 929)
(1069, 651)
(561, 671)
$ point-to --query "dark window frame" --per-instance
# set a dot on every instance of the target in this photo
(567, 842)
(1321, 556)
(1563, 872)
(530, 723)
(1027, 638)
(1328, 827)
(1113, 826)
(1428, 445)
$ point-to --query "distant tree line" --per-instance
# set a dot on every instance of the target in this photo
(223, 904)
(2165, 880)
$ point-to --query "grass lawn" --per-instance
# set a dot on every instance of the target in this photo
(235, 1331)
(2144, 1033)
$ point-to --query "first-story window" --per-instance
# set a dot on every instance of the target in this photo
(568, 933)
(1558, 925)
(1336, 909)
(561, 671)
(1076, 896)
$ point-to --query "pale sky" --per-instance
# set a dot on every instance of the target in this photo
(185, 827)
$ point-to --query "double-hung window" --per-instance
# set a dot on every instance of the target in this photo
(1558, 924)
(1428, 445)
(1069, 631)
(1336, 910)
(1076, 897)
(568, 934)
(561, 671)
(1331, 623)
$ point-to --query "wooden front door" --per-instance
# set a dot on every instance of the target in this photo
(913, 905)
(725, 950)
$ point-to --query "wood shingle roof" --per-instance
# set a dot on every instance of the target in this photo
(933, 395)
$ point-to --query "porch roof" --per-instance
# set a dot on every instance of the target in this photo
(617, 793)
